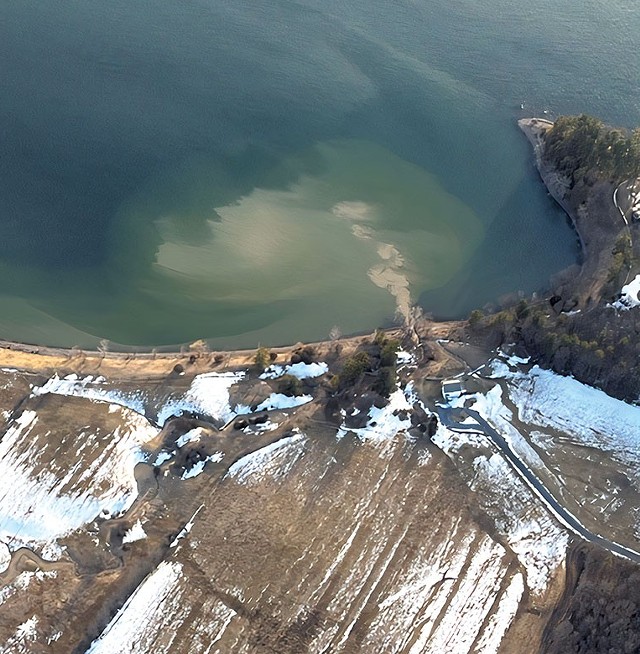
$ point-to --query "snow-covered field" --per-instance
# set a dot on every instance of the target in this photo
(208, 394)
(590, 443)
(149, 612)
(93, 388)
(149, 620)
(440, 605)
(533, 534)
(547, 400)
(50, 486)
(540, 414)
(352, 544)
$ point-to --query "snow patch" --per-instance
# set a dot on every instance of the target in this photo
(187, 528)
(502, 618)
(5, 557)
(274, 460)
(54, 637)
(208, 394)
(512, 359)
(261, 427)
(133, 627)
(198, 467)
(404, 358)
(629, 295)
(451, 441)
(93, 389)
(499, 368)
(385, 423)
(192, 436)
(162, 457)
(135, 533)
(52, 551)
(491, 407)
(280, 401)
(504, 364)
(27, 630)
(299, 370)
(25, 634)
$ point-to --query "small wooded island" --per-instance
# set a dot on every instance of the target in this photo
(587, 327)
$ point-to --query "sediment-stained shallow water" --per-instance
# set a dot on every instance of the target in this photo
(264, 172)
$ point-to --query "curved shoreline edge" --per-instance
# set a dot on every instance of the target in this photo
(535, 129)
(153, 363)
(600, 223)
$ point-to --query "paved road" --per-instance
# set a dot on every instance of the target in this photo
(626, 222)
(564, 516)
(615, 202)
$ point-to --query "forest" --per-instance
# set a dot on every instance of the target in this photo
(584, 148)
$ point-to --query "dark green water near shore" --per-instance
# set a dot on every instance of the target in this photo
(261, 172)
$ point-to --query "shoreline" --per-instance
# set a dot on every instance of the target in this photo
(194, 359)
(198, 357)
(534, 129)
(595, 218)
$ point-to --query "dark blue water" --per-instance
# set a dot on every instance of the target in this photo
(117, 116)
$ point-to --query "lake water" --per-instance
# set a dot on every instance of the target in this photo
(259, 172)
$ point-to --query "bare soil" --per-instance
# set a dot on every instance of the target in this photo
(311, 555)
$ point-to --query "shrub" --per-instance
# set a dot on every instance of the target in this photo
(304, 355)
(261, 358)
(354, 366)
(289, 385)
(388, 351)
(568, 340)
(475, 318)
(522, 310)
(386, 382)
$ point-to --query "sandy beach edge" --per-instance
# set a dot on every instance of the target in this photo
(194, 359)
